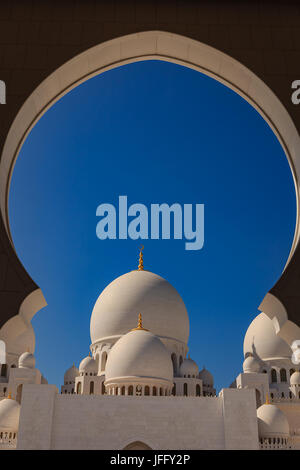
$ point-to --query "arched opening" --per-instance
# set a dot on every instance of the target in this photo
(123, 390)
(78, 389)
(169, 58)
(137, 445)
(19, 393)
(185, 389)
(198, 390)
(91, 388)
(273, 376)
(258, 398)
(3, 370)
(283, 377)
(154, 391)
(130, 390)
(103, 361)
(102, 388)
(147, 390)
(174, 390)
(174, 361)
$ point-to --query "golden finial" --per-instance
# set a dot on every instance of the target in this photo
(141, 262)
(89, 353)
(267, 399)
(9, 395)
(139, 325)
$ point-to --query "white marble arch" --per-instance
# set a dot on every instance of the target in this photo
(152, 45)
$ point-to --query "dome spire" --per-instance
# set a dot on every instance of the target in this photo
(267, 399)
(140, 324)
(141, 263)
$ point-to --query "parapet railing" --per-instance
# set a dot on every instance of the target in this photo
(284, 400)
(8, 439)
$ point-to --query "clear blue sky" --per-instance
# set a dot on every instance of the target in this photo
(156, 132)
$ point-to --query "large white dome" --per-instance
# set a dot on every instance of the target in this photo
(139, 354)
(262, 341)
(272, 422)
(115, 312)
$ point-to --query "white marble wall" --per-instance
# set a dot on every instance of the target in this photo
(49, 420)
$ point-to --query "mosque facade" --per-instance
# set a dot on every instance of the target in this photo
(139, 388)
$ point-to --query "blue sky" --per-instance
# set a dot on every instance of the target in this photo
(158, 133)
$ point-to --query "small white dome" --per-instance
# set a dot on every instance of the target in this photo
(140, 354)
(251, 364)
(116, 309)
(189, 368)
(206, 377)
(88, 365)
(261, 340)
(295, 378)
(71, 374)
(272, 422)
(9, 415)
(27, 361)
